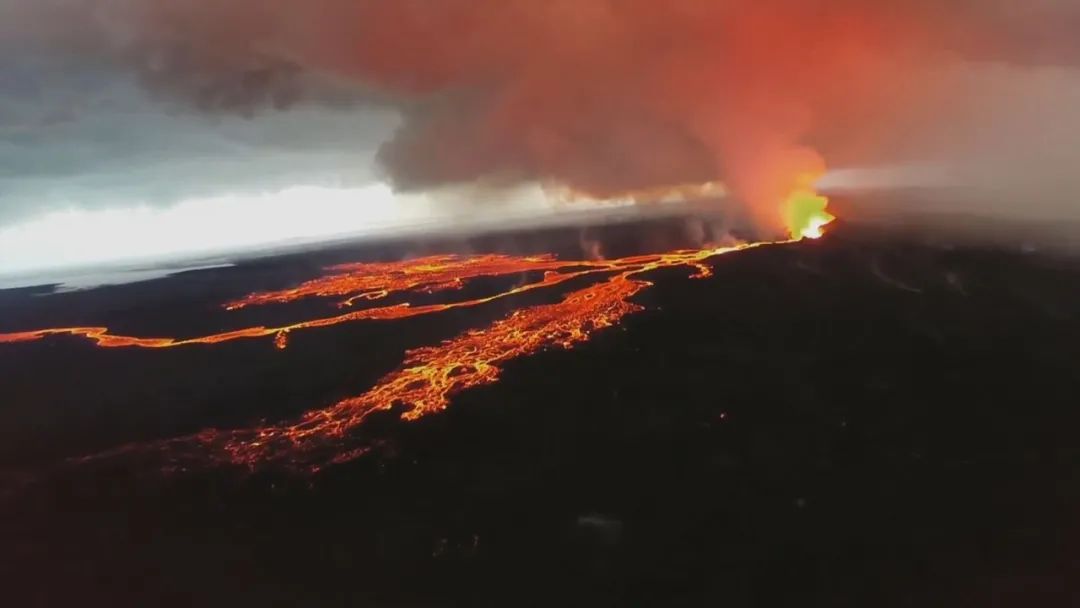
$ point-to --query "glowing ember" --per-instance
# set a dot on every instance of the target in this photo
(281, 340)
(429, 376)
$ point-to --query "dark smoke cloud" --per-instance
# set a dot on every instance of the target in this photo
(195, 52)
(602, 95)
(78, 134)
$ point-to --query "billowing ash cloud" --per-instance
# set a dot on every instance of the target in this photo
(603, 96)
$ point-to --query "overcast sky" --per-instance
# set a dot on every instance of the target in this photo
(90, 155)
(79, 134)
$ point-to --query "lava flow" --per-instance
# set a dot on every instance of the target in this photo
(372, 281)
(362, 281)
(430, 376)
(367, 281)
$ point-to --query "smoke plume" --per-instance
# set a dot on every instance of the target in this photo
(601, 96)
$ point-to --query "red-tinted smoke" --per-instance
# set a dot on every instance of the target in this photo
(602, 96)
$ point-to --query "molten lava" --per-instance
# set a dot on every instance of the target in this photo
(373, 281)
(430, 376)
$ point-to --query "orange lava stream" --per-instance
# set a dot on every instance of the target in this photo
(372, 281)
(381, 278)
(104, 339)
(430, 376)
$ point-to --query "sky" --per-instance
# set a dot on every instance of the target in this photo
(140, 128)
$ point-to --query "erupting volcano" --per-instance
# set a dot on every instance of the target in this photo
(430, 376)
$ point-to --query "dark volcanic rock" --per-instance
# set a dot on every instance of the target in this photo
(868, 420)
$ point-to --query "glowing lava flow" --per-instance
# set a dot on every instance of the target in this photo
(388, 276)
(372, 281)
(451, 272)
(430, 376)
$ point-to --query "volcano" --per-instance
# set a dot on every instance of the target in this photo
(872, 418)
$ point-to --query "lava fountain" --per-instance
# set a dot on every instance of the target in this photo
(804, 211)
